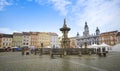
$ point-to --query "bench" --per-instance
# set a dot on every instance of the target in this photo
(56, 52)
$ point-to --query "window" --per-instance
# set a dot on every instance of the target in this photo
(3, 44)
(6, 44)
(23, 43)
(26, 43)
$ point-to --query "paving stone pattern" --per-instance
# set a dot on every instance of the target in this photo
(14, 61)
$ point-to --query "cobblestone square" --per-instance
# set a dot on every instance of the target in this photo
(14, 61)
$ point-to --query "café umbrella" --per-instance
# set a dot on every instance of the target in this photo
(103, 45)
(94, 46)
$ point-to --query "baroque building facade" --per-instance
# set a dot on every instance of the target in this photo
(87, 38)
(6, 40)
(0, 41)
(53, 40)
(118, 38)
(34, 39)
(73, 43)
(109, 38)
(43, 39)
(17, 39)
(25, 39)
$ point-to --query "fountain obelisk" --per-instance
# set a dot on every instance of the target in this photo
(65, 43)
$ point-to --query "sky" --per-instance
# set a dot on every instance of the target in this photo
(48, 15)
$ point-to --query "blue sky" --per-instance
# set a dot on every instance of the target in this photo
(48, 15)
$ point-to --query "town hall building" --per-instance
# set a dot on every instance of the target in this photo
(87, 38)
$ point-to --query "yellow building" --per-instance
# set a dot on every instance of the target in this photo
(17, 39)
(34, 39)
(43, 39)
(6, 40)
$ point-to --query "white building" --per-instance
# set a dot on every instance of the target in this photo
(87, 38)
(26, 39)
(54, 43)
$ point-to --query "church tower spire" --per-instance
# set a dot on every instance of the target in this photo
(86, 26)
(78, 34)
(97, 31)
(86, 30)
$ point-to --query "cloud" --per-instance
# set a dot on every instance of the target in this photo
(98, 13)
(101, 13)
(4, 3)
(7, 30)
(61, 6)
